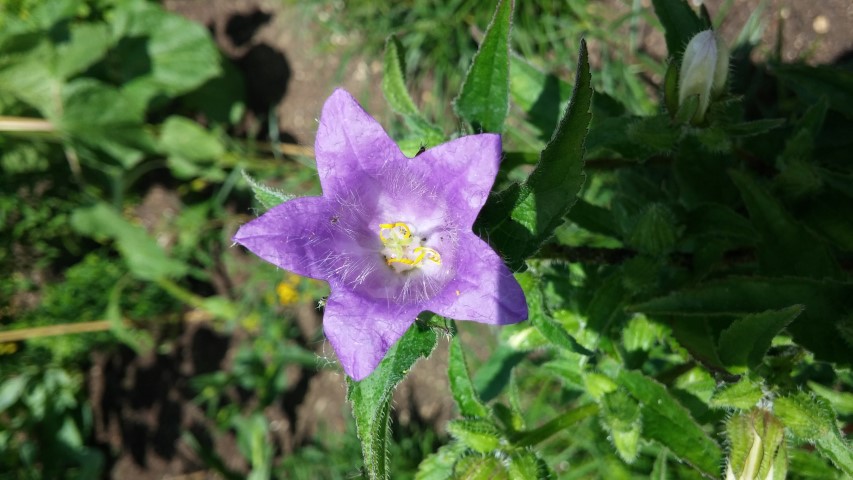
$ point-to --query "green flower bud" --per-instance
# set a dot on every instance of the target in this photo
(704, 69)
(756, 447)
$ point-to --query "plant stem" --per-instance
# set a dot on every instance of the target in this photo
(532, 437)
(25, 124)
(52, 330)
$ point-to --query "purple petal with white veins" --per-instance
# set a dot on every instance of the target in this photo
(295, 236)
(462, 171)
(350, 144)
(484, 290)
(362, 330)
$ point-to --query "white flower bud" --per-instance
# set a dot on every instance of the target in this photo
(757, 447)
(704, 69)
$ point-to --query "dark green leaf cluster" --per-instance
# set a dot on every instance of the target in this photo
(673, 272)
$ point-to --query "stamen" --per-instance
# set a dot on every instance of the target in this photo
(402, 230)
(430, 253)
(404, 250)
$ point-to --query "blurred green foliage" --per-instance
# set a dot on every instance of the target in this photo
(676, 274)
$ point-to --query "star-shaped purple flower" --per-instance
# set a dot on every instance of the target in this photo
(392, 235)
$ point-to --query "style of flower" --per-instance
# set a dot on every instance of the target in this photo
(391, 235)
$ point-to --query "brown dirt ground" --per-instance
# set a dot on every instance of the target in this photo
(143, 404)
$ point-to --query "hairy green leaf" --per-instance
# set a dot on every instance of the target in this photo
(371, 397)
(666, 421)
(477, 467)
(479, 434)
(484, 99)
(747, 340)
(817, 328)
(742, 395)
(522, 217)
(813, 420)
(268, 197)
(439, 465)
(397, 96)
(460, 383)
(786, 247)
(393, 79)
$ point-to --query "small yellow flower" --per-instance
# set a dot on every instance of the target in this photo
(286, 290)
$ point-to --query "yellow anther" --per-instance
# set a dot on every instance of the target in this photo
(404, 261)
(402, 250)
(401, 227)
(429, 253)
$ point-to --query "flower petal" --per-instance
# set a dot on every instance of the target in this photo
(350, 144)
(362, 330)
(462, 171)
(295, 235)
(483, 290)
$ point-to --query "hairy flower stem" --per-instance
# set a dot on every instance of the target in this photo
(533, 437)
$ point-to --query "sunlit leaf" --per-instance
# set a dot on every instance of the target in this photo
(484, 99)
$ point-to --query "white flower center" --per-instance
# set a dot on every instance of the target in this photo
(402, 250)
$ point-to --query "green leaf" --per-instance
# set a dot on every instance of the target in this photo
(87, 43)
(138, 340)
(439, 465)
(620, 415)
(688, 112)
(460, 383)
(522, 217)
(145, 259)
(27, 76)
(680, 24)
(104, 118)
(479, 434)
(11, 390)
(371, 397)
(541, 317)
(786, 248)
(715, 220)
(666, 421)
(640, 334)
(187, 139)
(181, 56)
(268, 197)
(842, 402)
(742, 395)
(812, 419)
(754, 127)
(540, 95)
(484, 99)
(817, 328)
(393, 80)
(747, 340)
(524, 465)
(476, 467)
(253, 442)
(493, 376)
(397, 96)
(655, 231)
(812, 83)
(670, 89)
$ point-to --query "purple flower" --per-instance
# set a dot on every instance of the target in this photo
(392, 235)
